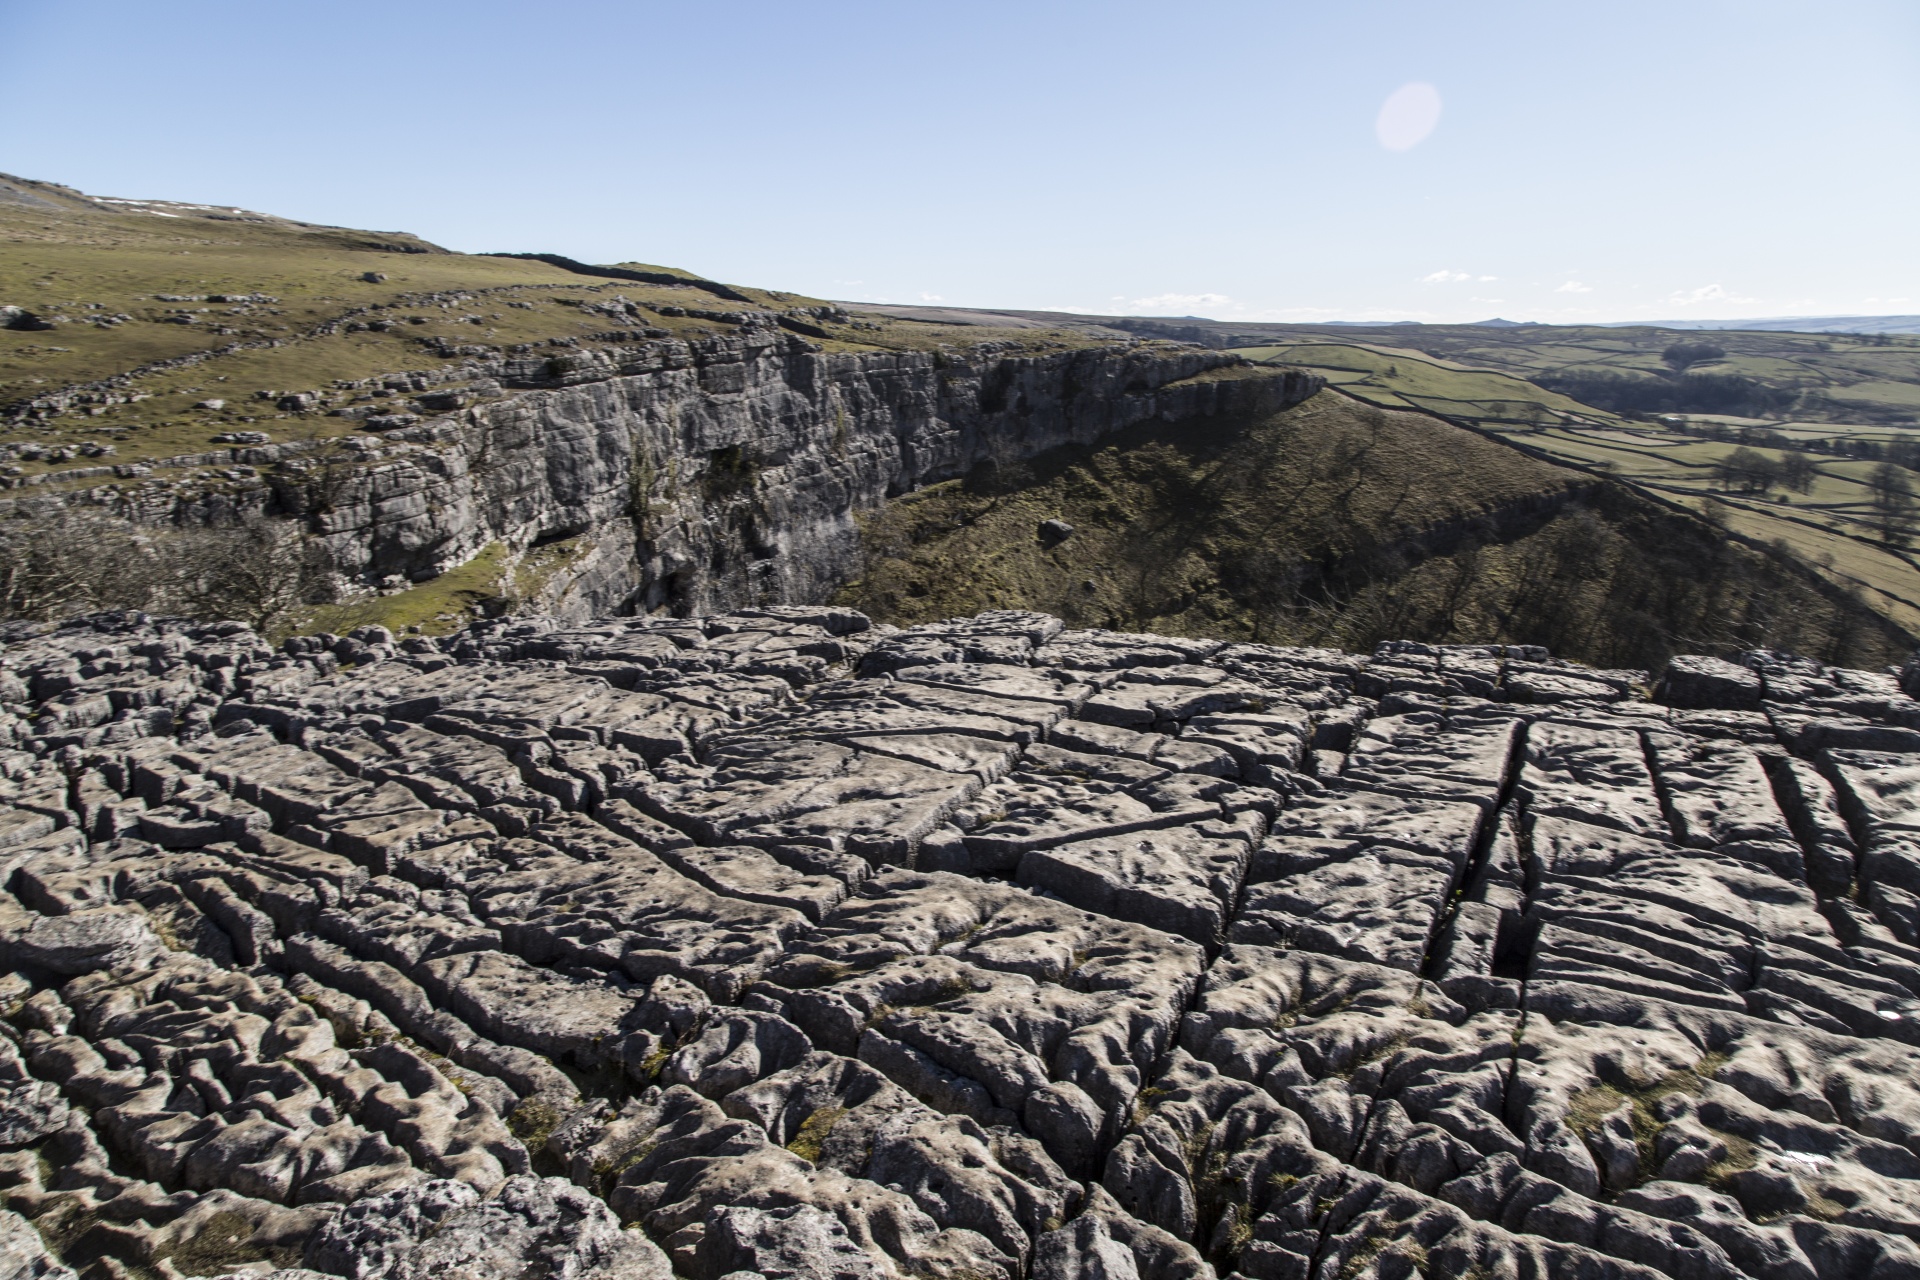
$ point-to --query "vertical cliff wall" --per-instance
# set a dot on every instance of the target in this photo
(712, 475)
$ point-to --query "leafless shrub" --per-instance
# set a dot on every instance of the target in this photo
(67, 561)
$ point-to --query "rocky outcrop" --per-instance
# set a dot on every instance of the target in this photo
(776, 943)
(697, 476)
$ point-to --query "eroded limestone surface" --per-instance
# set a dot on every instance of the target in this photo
(779, 944)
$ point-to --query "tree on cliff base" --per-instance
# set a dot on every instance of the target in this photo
(66, 561)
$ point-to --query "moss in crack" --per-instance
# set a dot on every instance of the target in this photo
(1393, 1045)
(1145, 1101)
(221, 1242)
(1587, 1109)
(1222, 1211)
(446, 1066)
(814, 1131)
(1239, 1233)
(534, 1121)
(651, 1064)
(961, 938)
(62, 1220)
(607, 1171)
(1362, 1258)
(1741, 1155)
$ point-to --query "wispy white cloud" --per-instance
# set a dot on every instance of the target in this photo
(1444, 276)
(1186, 303)
(931, 297)
(1707, 293)
(1574, 286)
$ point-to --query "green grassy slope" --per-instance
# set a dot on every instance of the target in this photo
(1830, 528)
(1344, 523)
(115, 278)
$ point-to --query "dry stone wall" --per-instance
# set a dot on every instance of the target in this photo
(779, 944)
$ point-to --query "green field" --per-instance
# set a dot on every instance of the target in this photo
(1829, 528)
(1866, 380)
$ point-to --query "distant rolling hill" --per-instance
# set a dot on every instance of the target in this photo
(1788, 324)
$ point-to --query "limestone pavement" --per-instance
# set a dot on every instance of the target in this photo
(783, 944)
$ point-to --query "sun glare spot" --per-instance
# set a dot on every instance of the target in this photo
(1408, 116)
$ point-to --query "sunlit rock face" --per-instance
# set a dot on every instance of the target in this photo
(692, 475)
(778, 943)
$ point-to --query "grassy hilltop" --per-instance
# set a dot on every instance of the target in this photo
(176, 304)
(137, 336)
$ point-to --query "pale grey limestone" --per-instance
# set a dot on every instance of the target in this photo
(779, 944)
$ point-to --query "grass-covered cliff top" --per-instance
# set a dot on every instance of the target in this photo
(178, 304)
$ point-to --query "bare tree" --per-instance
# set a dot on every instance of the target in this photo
(259, 572)
(1798, 472)
(1751, 469)
(65, 560)
(1891, 488)
(74, 560)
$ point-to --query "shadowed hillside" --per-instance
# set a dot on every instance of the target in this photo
(1341, 523)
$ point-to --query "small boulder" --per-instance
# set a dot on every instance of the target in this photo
(1054, 532)
(88, 940)
(371, 1235)
(28, 1113)
(19, 318)
(374, 277)
(1701, 683)
(798, 1242)
(440, 1229)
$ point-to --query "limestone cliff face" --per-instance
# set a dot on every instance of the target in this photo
(729, 472)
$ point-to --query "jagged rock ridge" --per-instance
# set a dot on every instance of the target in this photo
(806, 947)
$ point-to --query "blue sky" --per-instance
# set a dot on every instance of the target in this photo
(1590, 161)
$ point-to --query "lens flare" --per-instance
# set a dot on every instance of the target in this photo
(1408, 116)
